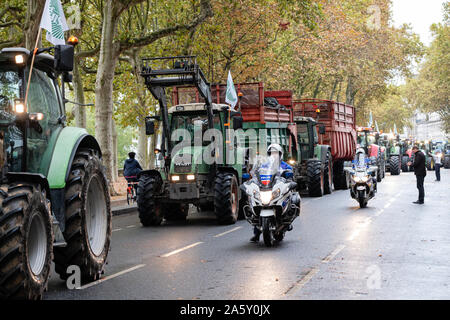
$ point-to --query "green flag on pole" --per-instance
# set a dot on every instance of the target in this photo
(231, 95)
(54, 21)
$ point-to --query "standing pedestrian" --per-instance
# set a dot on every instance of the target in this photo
(420, 172)
(437, 157)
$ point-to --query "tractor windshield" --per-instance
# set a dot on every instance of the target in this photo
(9, 91)
(193, 122)
(362, 140)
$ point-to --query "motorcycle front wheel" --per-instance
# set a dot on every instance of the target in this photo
(267, 231)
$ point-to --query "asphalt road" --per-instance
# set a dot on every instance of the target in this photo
(393, 249)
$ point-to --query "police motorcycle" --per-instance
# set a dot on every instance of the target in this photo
(363, 184)
(273, 203)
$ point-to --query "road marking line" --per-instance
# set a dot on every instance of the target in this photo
(299, 284)
(181, 249)
(118, 229)
(333, 254)
(111, 277)
(354, 234)
(226, 232)
(387, 205)
(132, 226)
(379, 212)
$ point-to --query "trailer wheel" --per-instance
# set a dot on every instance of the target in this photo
(394, 165)
(150, 211)
(328, 174)
(340, 177)
(226, 198)
(88, 218)
(316, 180)
(26, 241)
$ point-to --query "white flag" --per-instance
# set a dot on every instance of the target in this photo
(54, 21)
(231, 95)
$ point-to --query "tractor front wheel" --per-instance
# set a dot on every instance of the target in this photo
(316, 181)
(26, 241)
(226, 198)
(394, 165)
(88, 218)
(150, 211)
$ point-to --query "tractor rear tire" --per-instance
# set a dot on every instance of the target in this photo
(447, 162)
(328, 174)
(150, 210)
(394, 165)
(26, 241)
(175, 211)
(88, 218)
(226, 198)
(316, 180)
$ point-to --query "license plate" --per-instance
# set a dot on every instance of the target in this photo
(267, 213)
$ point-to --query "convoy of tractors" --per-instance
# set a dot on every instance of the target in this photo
(54, 191)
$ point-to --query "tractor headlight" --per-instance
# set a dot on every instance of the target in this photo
(190, 177)
(19, 107)
(19, 59)
(36, 116)
(175, 178)
(291, 162)
(265, 196)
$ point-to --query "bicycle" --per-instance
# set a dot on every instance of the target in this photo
(131, 189)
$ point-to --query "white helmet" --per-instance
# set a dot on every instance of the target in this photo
(275, 147)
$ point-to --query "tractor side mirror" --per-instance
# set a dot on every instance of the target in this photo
(64, 55)
(237, 122)
(149, 126)
(67, 77)
(321, 129)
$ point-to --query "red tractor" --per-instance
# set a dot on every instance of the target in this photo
(368, 140)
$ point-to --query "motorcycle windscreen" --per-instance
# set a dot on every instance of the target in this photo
(265, 171)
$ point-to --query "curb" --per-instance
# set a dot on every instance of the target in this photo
(117, 211)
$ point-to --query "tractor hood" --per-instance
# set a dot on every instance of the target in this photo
(189, 159)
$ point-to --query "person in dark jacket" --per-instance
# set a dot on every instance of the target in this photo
(420, 172)
(131, 168)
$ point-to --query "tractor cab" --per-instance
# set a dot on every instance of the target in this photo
(29, 131)
(307, 137)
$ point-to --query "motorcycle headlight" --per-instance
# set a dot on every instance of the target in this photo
(266, 196)
(276, 193)
(356, 179)
(365, 179)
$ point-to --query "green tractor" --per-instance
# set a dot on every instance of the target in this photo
(407, 155)
(312, 162)
(194, 170)
(446, 151)
(392, 153)
(54, 198)
(427, 148)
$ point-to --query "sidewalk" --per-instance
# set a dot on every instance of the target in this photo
(119, 203)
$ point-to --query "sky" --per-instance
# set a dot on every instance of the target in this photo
(421, 14)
